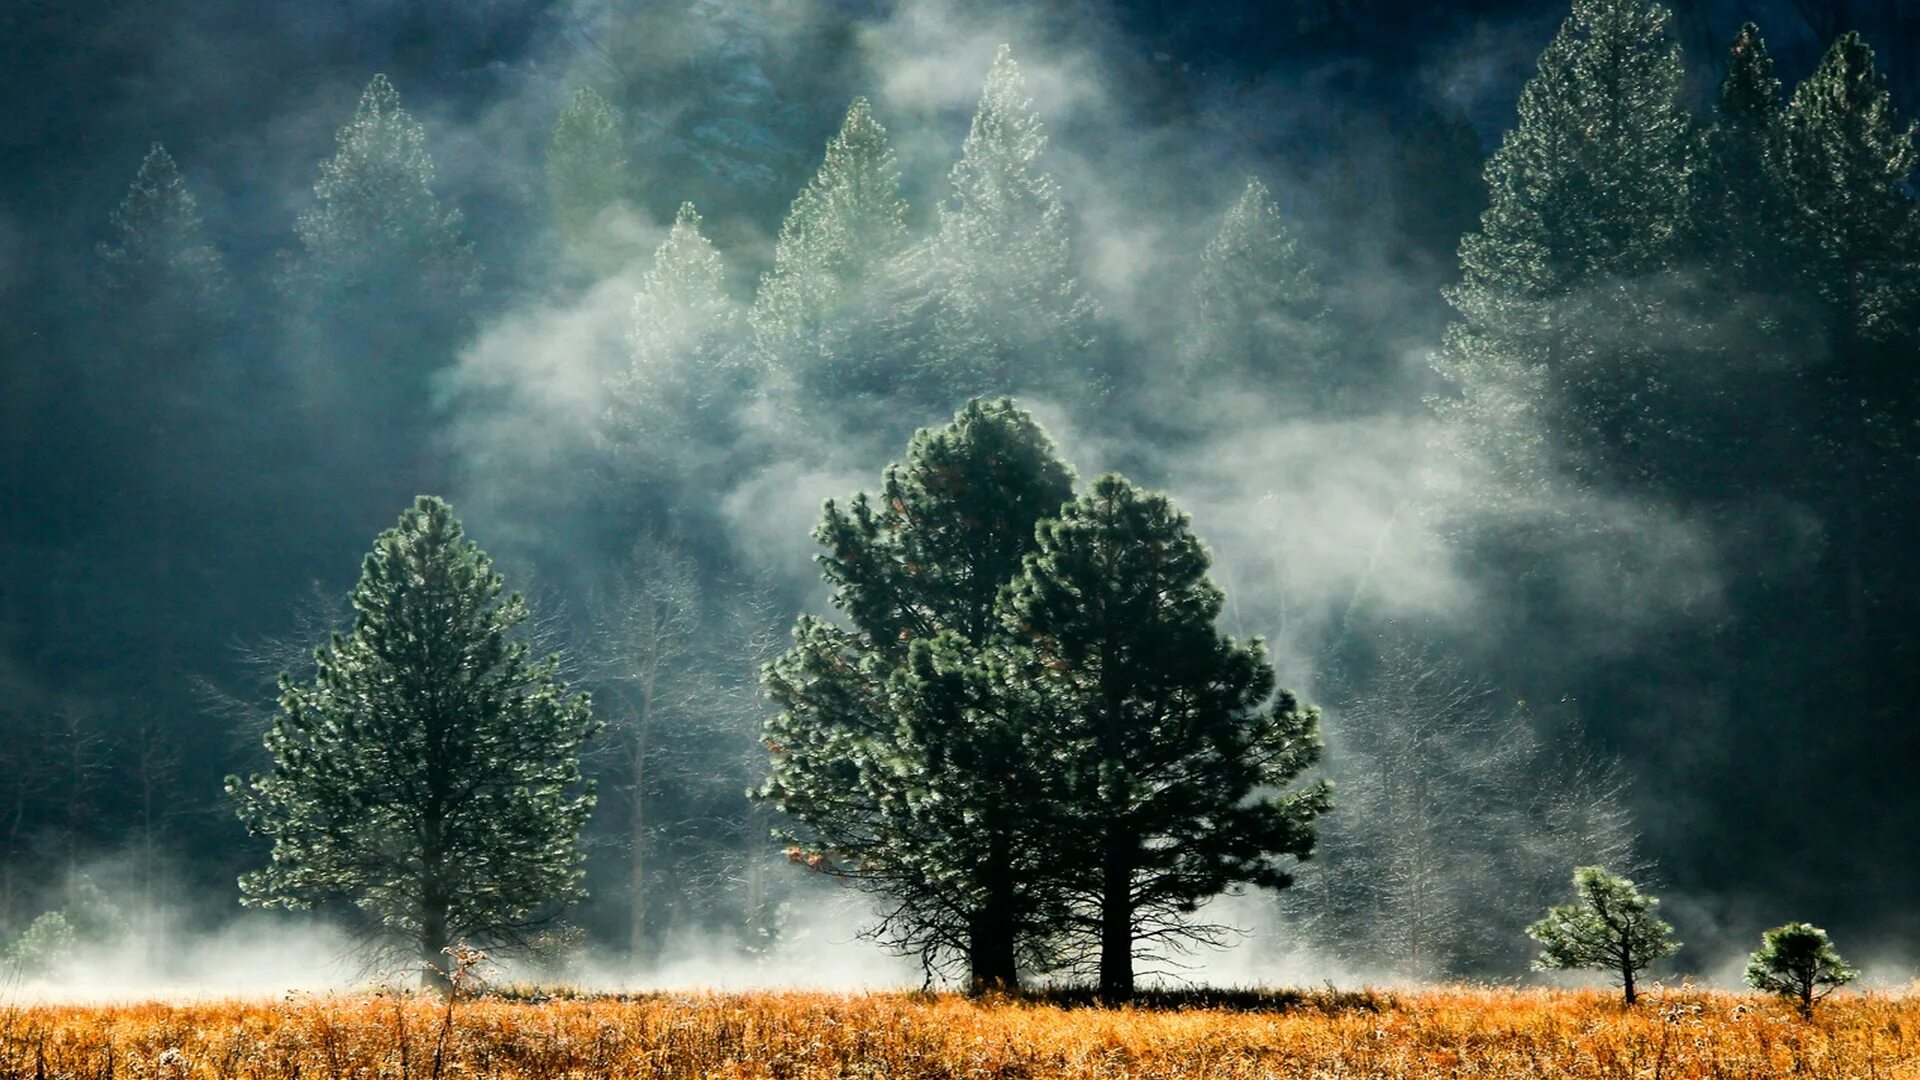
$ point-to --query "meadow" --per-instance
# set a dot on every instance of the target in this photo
(803, 1035)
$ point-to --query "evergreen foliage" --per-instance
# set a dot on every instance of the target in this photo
(87, 919)
(1259, 310)
(376, 221)
(429, 775)
(1008, 312)
(378, 289)
(1557, 360)
(818, 311)
(1609, 927)
(687, 371)
(1740, 197)
(1798, 962)
(898, 766)
(1176, 756)
(42, 947)
(1848, 160)
(159, 259)
(161, 307)
(587, 166)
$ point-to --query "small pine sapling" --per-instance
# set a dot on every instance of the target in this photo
(1610, 926)
(1798, 962)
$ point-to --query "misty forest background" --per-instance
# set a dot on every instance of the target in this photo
(1591, 534)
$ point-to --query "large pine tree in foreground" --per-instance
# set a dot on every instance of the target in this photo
(429, 775)
(1176, 755)
(896, 764)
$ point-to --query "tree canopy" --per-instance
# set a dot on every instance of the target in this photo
(428, 776)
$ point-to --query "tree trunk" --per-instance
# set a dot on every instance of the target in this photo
(637, 828)
(990, 965)
(435, 965)
(637, 871)
(1116, 922)
(990, 934)
(1626, 982)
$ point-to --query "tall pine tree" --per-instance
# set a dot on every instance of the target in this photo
(159, 260)
(1008, 312)
(1745, 413)
(1739, 196)
(1557, 358)
(1259, 312)
(687, 373)
(164, 393)
(897, 765)
(161, 304)
(1177, 755)
(587, 166)
(381, 277)
(1853, 230)
(818, 313)
(429, 776)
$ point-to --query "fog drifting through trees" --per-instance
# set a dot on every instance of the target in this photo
(1583, 522)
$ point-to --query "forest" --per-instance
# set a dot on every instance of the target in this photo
(862, 447)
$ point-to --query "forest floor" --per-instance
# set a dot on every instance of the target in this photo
(1326, 1034)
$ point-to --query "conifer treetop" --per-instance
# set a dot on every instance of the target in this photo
(374, 197)
(587, 164)
(157, 229)
(848, 221)
(1591, 180)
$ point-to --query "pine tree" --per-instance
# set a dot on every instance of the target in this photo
(1008, 312)
(159, 260)
(587, 166)
(1853, 231)
(1740, 297)
(161, 307)
(1797, 961)
(1259, 311)
(381, 276)
(686, 373)
(1176, 752)
(1740, 200)
(1551, 361)
(893, 758)
(429, 775)
(1609, 927)
(375, 218)
(816, 315)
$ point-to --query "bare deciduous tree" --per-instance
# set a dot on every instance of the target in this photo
(1456, 819)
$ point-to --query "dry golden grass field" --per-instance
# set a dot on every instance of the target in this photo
(1436, 1033)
